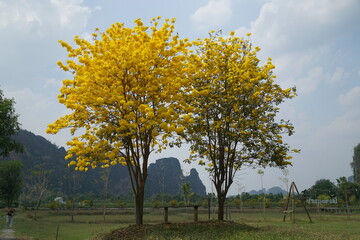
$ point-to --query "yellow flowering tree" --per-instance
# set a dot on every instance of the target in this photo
(125, 98)
(235, 103)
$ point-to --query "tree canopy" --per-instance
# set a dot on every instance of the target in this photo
(135, 90)
(9, 126)
(356, 164)
(347, 189)
(235, 103)
(125, 97)
(10, 181)
(322, 187)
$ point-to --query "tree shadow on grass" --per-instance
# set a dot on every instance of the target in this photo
(201, 230)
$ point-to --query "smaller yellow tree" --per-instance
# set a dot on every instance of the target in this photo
(125, 98)
(235, 105)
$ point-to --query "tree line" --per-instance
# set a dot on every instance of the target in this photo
(346, 192)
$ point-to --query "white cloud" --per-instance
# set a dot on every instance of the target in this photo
(309, 83)
(31, 106)
(52, 82)
(340, 134)
(351, 98)
(338, 75)
(344, 126)
(69, 11)
(303, 24)
(87, 36)
(214, 14)
(40, 15)
(36, 111)
(26, 95)
(301, 37)
(30, 31)
(313, 46)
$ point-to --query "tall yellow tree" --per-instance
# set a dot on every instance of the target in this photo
(235, 103)
(125, 98)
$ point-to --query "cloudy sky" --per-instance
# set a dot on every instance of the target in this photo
(315, 46)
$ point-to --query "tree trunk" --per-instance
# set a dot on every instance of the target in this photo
(221, 206)
(72, 211)
(139, 206)
(138, 175)
(36, 209)
(38, 204)
(104, 209)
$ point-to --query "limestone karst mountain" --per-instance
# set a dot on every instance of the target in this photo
(164, 176)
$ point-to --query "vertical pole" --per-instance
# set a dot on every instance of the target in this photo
(241, 203)
(196, 217)
(227, 209)
(347, 206)
(229, 213)
(166, 214)
(57, 231)
(293, 207)
(318, 208)
(289, 195)
(209, 208)
(264, 206)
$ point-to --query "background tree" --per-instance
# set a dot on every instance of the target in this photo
(35, 187)
(74, 182)
(347, 190)
(285, 178)
(356, 164)
(9, 126)
(10, 181)
(241, 189)
(187, 193)
(106, 180)
(40, 184)
(126, 96)
(235, 104)
(322, 187)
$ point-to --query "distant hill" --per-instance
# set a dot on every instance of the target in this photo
(40, 152)
(165, 176)
(273, 190)
(276, 190)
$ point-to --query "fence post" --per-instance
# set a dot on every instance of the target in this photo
(166, 214)
(57, 231)
(196, 213)
(209, 208)
(226, 209)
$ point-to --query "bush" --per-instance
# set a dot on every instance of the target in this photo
(236, 202)
(173, 203)
(205, 203)
(122, 204)
(53, 205)
(156, 204)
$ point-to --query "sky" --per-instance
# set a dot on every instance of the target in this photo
(314, 46)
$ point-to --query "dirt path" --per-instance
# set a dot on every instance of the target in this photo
(7, 234)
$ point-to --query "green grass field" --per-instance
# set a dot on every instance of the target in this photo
(89, 224)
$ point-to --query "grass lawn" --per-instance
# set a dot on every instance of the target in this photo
(248, 225)
(49, 225)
